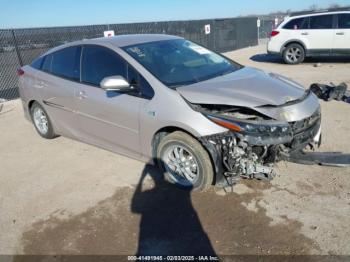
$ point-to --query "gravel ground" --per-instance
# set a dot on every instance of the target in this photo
(65, 197)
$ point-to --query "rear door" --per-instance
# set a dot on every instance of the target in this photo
(342, 34)
(57, 81)
(319, 35)
(107, 119)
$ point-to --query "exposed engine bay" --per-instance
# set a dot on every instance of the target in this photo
(256, 142)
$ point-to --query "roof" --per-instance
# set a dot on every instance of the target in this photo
(126, 40)
(316, 12)
(118, 41)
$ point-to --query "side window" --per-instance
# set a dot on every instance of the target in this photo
(37, 63)
(139, 81)
(100, 62)
(65, 63)
(47, 63)
(321, 22)
(298, 23)
(146, 89)
(133, 76)
(344, 21)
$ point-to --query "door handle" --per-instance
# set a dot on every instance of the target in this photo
(305, 33)
(340, 33)
(82, 94)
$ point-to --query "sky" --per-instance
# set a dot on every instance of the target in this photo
(47, 13)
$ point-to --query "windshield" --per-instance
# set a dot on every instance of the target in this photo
(180, 62)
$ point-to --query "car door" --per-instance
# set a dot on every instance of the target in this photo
(56, 82)
(342, 34)
(319, 35)
(107, 118)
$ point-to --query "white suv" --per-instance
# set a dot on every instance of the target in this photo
(311, 34)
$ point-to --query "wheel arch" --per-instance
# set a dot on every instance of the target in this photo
(214, 155)
(30, 103)
(162, 132)
(294, 41)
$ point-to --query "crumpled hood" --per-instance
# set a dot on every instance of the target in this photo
(247, 87)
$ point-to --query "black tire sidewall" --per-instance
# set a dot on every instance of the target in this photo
(50, 133)
(300, 60)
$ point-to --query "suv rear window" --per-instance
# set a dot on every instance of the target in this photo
(321, 22)
(298, 23)
(344, 21)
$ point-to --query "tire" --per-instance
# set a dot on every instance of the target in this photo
(41, 121)
(199, 165)
(293, 54)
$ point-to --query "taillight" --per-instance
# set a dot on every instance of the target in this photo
(274, 33)
(20, 72)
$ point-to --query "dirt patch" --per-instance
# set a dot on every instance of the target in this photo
(158, 218)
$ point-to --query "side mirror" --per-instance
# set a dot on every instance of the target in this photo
(116, 83)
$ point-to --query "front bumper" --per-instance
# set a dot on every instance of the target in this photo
(237, 155)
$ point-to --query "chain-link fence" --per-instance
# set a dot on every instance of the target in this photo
(20, 46)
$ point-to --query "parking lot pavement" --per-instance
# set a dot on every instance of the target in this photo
(64, 197)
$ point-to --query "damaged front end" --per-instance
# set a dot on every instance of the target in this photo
(255, 141)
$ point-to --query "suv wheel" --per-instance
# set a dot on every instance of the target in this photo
(41, 121)
(184, 161)
(294, 54)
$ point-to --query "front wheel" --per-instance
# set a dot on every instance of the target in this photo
(184, 161)
(294, 54)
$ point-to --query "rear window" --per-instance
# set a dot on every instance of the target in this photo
(298, 23)
(321, 22)
(344, 21)
(66, 63)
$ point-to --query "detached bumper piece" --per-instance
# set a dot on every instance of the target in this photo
(331, 92)
(320, 158)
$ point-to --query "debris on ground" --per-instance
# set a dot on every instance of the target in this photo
(331, 92)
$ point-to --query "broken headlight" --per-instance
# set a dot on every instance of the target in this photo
(255, 127)
(263, 127)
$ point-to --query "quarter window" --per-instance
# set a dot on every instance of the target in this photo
(100, 62)
(344, 21)
(37, 63)
(137, 80)
(321, 22)
(47, 63)
(65, 63)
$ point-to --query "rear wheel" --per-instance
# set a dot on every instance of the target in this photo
(41, 121)
(184, 161)
(294, 54)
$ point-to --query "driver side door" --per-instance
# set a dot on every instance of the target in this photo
(107, 119)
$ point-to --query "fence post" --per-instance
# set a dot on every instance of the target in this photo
(214, 34)
(16, 47)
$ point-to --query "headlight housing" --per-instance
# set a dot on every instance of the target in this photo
(264, 127)
(245, 121)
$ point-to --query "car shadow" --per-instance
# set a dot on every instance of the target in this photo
(169, 223)
(271, 58)
(266, 58)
